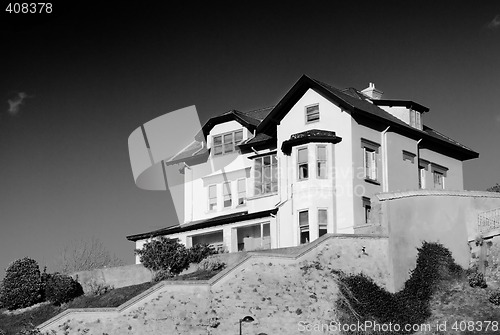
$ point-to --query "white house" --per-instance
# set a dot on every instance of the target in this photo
(287, 174)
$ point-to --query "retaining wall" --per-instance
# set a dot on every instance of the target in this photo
(281, 291)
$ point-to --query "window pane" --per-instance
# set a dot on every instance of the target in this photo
(275, 173)
(258, 176)
(312, 113)
(226, 188)
(302, 155)
(267, 174)
(274, 160)
(228, 147)
(322, 153)
(304, 218)
(266, 231)
(322, 216)
(274, 187)
(228, 138)
(242, 185)
(238, 136)
(303, 171)
(322, 231)
(304, 236)
(218, 150)
(321, 170)
(217, 140)
(267, 160)
(212, 190)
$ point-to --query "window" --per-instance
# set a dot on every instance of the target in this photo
(226, 187)
(304, 227)
(266, 174)
(438, 180)
(312, 113)
(226, 143)
(322, 221)
(408, 156)
(367, 206)
(321, 161)
(302, 163)
(242, 191)
(415, 119)
(370, 151)
(423, 166)
(212, 197)
(421, 177)
(439, 174)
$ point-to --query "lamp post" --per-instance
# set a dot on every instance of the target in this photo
(246, 319)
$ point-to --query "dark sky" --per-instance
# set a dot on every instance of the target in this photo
(82, 78)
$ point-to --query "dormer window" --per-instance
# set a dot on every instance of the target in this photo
(226, 143)
(415, 119)
(312, 113)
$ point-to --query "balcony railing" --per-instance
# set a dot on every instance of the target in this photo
(488, 221)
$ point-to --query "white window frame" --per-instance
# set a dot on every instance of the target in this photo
(415, 119)
(370, 158)
(299, 164)
(312, 113)
(261, 185)
(242, 194)
(367, 208)
(304, 228)
(226, 187)
(322, 225)
(223, 144)
(438, 174)
(210, 209)
(319, 161)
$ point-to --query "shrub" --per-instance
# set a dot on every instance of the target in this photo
(495, 298)
(211, 264)
(476, 279)
(164, 254)
(22, 284)
(162, 275)
(60, 288)
(98, 288)
(362, 299)
(199, 252)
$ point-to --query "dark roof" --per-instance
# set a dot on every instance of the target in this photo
(259, 114)
(359, 105)
(207, 223)
(403, 103)
(264, 120)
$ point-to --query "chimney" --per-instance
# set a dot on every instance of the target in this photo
(372, 92)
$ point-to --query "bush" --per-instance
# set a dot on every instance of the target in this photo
(362, 299)
(98, 288)
(22, 284)
(164, 254)
(162, 275)
(211, 264)
(60, 288)
(495, 298)
(199, 252)
(476, 279)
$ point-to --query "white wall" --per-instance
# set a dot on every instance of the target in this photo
(315, 193)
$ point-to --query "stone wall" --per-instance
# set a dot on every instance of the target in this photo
(282, 292)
